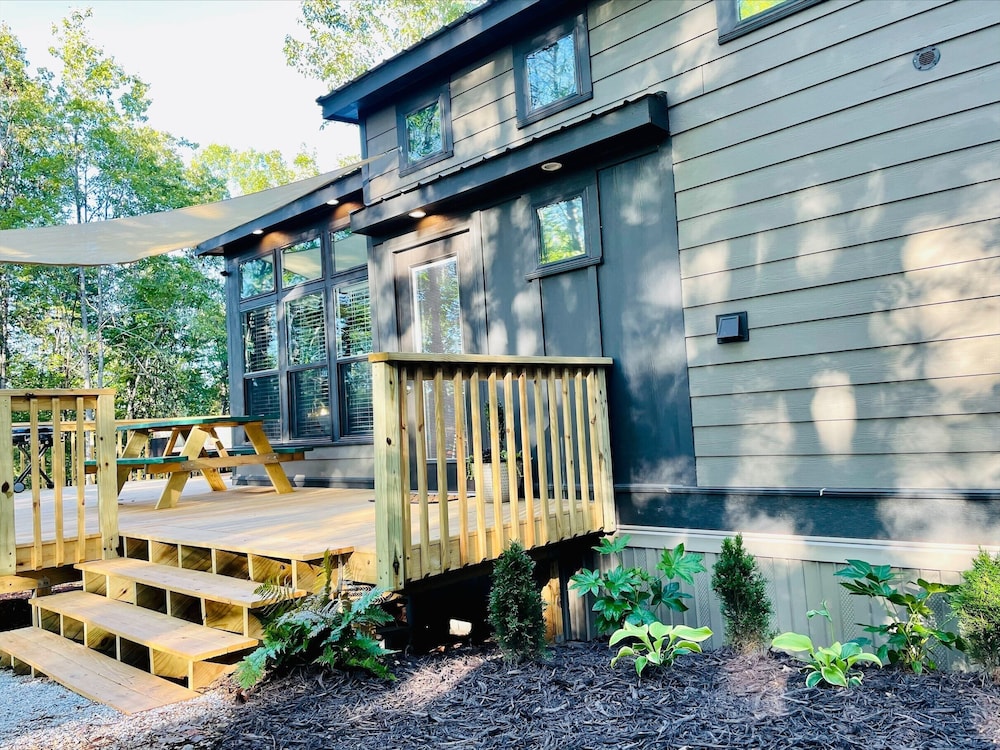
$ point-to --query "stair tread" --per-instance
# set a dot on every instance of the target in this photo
(90, 673)
(196, 583)
(145, 626)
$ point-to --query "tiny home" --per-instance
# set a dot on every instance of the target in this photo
(779, 220)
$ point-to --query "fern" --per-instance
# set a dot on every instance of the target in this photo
(324, 628)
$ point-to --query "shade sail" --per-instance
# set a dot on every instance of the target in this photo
(134, 238)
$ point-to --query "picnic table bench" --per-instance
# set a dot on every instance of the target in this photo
(202, 451)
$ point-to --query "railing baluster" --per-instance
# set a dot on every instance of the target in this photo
(36, 482)
(8, 533)
(477, 464)
(526, 463)
(421, 440)
(458, 384)
(512, 451)
(498, 535)
(402, 495)
(586, 507)
(58, 474)
(543, 462)
(444, 535)
(555, 440)
(81, 489)
(567, 413)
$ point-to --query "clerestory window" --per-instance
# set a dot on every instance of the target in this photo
(738, 17)
(424, 128)
(552, 71)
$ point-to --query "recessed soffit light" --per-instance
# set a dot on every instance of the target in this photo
(417, 214)
(332, 202)
(258, 231)
(551, 166)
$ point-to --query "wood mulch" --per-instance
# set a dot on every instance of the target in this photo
(466, 697)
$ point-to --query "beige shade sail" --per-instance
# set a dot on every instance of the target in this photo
(134, 238)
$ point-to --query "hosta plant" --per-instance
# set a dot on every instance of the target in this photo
(630, 595)
(910, 632)
(833, 664)
(657, 644)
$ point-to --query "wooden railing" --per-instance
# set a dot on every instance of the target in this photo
(83, 427)
(435, 418)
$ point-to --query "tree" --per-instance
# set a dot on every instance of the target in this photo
(249, 171)
(77, 147)
(348, 37)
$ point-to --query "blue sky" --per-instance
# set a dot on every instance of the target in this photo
(215, 67)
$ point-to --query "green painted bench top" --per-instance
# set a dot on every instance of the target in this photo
(169, 423)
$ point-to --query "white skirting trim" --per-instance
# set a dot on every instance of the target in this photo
(916, 555)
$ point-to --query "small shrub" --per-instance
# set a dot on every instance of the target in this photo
(658, 644)
(976, 602)
(742, 589)
(832, 664)
(910, 637)
(320, 628)
(629, 595)
(515, 606)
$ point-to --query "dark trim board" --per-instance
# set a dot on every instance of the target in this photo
(344, 483)
(945, 516)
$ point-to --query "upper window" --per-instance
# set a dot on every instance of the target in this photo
(552, 71)
(424, 131)
(738, 17)
(301, 262)
(567, 229)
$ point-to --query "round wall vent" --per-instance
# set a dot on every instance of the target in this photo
(926, 58)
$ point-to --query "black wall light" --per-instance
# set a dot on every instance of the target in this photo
(731, 327)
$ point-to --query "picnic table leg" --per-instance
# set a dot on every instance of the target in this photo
(175, 484)
(275, 472)
(137, 441)
(212, 476)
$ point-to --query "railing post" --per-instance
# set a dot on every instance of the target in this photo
(389, 526)
(602, 471)
(106, 455)
(8, 538)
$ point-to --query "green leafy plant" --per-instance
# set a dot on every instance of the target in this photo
(742, 589)
(657, 644)
(328, 628)
(515, 606)
(630, 595)
(910, 633)
(976, 602)
(832, 664)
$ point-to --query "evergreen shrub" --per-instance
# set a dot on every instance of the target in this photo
(741, 587)
(515, 607)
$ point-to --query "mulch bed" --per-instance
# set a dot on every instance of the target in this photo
(468, 698)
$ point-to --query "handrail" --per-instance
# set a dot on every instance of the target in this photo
(85, 420)
(436, 419)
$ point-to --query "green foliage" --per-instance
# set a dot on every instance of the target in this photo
(976, 602)
(347, 39)
(832, 664)
(910, 634)
(515, 606)
(658, 644)
(328, 628)
(743, 591)
(630, 595)
(250, 170)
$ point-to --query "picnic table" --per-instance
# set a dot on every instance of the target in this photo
(202, 451)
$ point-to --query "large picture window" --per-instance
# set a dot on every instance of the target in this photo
(552, 71)
(306, 338)
(738, 17)
(424, 127)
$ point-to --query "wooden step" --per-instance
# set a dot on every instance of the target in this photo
(90, 673)
(144, 626)
(194, 583)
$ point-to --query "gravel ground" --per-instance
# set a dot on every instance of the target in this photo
(468, 698)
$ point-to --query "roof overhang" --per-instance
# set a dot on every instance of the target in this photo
(136, 237)
(621, 129)
(460, 43)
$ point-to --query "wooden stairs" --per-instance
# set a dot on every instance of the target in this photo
(143, 634)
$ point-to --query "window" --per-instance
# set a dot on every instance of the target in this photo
(306, 343)
(738, 17)
(552, 71)
(567, 229)
(424, 128)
